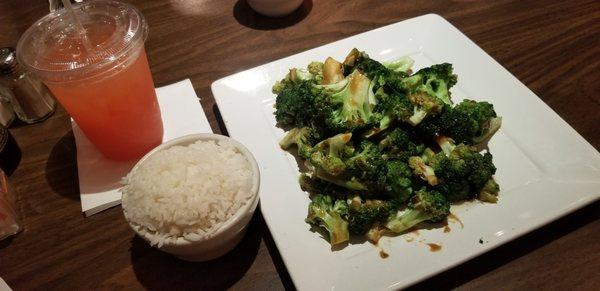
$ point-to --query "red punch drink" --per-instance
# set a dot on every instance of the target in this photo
(93, 59)
(119, 114)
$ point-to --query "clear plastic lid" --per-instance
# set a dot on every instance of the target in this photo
(54, 49)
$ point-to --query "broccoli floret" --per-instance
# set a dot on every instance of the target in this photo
(421, 166)
(462, 170)
(366, 159)
(435, 80)
(324, 211)
(453, 187)
(300, 91)
(328, 162)
(429, 91)
(480, 166)
(424, 105)
(363, 214)
(392, 101)
(316, 69)
(489, 192)
(389, 80)
(401, 143)
(470, 122)
(361, 166)
(293, 78)
(357, 60)
(371, 68)
(349, 109)
(328, 155)
(354, 58)
(315, 185)
(396, 181)
(390, 97)
(392, 106)
(295, 105)
(366, 170)
(303, 137)
(425, 205)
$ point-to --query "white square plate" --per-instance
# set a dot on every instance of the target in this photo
(545, 168)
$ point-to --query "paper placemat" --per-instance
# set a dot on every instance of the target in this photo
(99, 178)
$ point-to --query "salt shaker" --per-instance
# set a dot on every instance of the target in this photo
(32, 101)
(57, 4)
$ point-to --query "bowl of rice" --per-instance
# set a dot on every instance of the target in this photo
(192, 196)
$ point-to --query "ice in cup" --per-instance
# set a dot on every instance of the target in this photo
(99, 75)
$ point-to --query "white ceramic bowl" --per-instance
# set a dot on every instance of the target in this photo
(274, 8)
(232, 230)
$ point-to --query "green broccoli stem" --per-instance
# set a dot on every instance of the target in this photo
(299, 75)
(384, 124)
(334, 87)
(335, 225)
(446, 144)
(337, 228)
(491, 127)
(376, 232)
(402, 64)
(424, 171)
(324, 212)
(489, 192)
(410, 218)
(417, 117)
(485, 196)
(351, 184)
(290, 138)
(337, 144)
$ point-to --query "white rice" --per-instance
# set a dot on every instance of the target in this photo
(187, 192)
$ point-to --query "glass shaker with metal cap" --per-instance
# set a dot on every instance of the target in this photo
(30, 98)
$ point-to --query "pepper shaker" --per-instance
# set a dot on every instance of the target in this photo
(31, 100)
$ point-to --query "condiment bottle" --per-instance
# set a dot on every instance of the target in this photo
(30, 98)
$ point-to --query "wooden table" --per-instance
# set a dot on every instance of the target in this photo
(551, 46)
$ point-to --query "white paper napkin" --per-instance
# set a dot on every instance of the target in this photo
(99, 178)
(4, 286)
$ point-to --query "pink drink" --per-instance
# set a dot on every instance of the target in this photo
(102, 79)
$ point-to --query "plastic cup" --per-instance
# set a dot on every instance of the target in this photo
(102, 79)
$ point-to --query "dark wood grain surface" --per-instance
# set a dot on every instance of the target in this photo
(551, 46)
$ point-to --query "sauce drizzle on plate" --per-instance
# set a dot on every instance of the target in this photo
(455, 218)
(434, 247)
